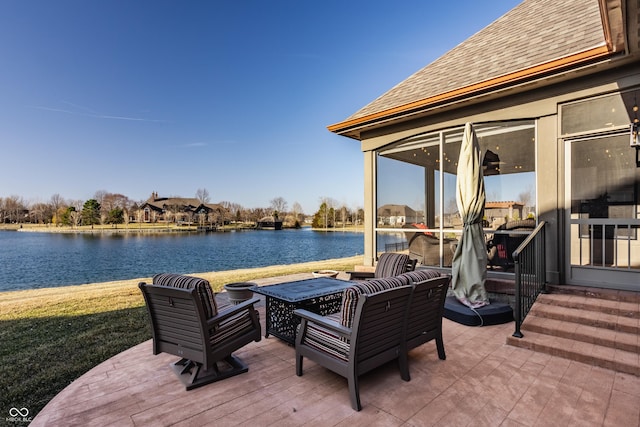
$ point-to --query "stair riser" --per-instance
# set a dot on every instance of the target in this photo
(630, 313)
(608, 294)
(578, 357)
(582, 320)
(582, 337)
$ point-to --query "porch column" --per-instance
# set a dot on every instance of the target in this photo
(369, 207)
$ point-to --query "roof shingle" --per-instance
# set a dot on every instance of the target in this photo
(533, 33)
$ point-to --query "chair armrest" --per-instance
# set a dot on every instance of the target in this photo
(232, 311)
(361, 275)
(323, 321)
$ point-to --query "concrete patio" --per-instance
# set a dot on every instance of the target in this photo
(483, 382)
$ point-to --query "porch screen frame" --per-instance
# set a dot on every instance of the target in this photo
(446, 139)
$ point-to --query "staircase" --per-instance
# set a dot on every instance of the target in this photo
(595, 326)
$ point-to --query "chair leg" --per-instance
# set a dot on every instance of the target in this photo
(440, 346)
(403, 364)
(354, 393)
(298, 365)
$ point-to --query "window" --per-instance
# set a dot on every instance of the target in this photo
(416, 187)
(599, 114)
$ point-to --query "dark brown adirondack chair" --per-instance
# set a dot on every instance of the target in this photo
(374, 338)
(389, 264)
(186, 322)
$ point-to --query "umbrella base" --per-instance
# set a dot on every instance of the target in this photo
(492, 314)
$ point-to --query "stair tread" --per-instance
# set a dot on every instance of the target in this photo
(602, 336)
(593, 354)
(621, 308)
(586, 317)
(600, 293)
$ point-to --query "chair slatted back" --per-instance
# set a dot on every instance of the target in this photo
(178, 321)
(426, 310)
(378, 327)
(189, 282)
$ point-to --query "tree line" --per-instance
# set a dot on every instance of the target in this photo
(114, 208)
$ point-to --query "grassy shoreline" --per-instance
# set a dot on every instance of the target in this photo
(51, 336)
(145, 228)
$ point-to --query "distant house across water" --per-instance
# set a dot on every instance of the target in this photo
(497, 213)
(180, 210)
(269, 223)
(397, 215)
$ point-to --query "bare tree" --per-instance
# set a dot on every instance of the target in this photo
(451, 210)
(526, 196)
(41, 213)
(111, 201)
(278, 206)
(56, 203)
(75, 217)
(202, 195)
(344, 214)
(234, 211)
(359, 215)
(258, 213)
(14, 209)
(297, 211)
(100, 195)
(327, 209)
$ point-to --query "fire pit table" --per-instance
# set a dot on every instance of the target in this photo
(321, 295)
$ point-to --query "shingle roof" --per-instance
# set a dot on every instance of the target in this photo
(174, 201)
(533, 33)
(396, 210)
(183, 202)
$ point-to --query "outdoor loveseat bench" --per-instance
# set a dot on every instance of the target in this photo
(380, 320)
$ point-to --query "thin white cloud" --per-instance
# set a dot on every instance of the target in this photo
(79, 110)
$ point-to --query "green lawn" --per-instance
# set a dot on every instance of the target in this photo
(49, 337)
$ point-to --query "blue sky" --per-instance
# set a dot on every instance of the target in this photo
(233, 96)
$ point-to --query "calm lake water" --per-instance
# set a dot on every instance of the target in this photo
(39, 260)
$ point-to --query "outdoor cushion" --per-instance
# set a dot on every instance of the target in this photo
(233, 326)
(391, 264)
(495, 313)
(351, 295)
(325, 340)
(421, 275)
(188, 282)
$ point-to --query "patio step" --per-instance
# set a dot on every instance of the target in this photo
(577, 325)
(500, 286)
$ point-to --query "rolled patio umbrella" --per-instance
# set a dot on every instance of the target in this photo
(469, 265)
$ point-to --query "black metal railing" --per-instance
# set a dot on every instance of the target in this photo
(530, 271)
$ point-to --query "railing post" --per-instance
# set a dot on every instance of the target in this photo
(531, 251)
(518, 296)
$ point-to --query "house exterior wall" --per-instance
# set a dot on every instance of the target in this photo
(539, 103)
